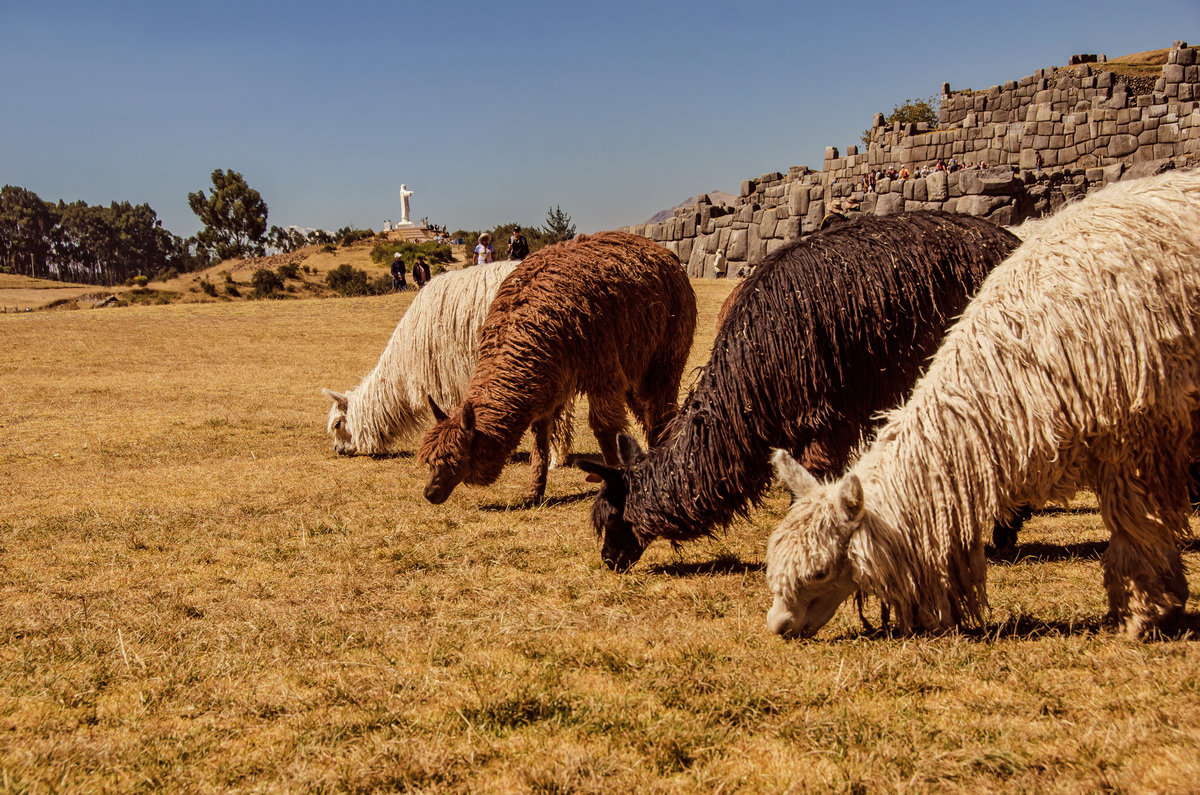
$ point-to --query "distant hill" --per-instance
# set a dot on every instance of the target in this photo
(717, 196)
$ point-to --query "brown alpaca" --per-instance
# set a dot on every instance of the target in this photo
(610, 316)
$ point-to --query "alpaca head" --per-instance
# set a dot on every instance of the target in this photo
(448, 450)
(809, 570)
(343, 443)
(620, 547)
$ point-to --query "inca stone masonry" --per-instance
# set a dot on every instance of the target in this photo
(1047, 138)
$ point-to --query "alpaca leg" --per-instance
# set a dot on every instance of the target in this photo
(1143, 571)
(1004, 534)
(1145, 587)
(606, 416)
(656, 403)
(539, 460)
(560, 436)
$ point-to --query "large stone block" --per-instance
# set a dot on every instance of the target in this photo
(791, 228)
(1173, 73)
(889, 204)
(797, 199)
(738, 242)
(1122, 145)
(919, 191)
(937, 186)
(980, 205)
(685, 249)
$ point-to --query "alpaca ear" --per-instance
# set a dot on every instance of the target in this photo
(629, 450)
(603, 471)
(337, 397)
(797, 478)
(850, 496)
(438, 414)
(467, 422)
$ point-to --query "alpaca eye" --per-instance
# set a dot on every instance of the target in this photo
(820, 574)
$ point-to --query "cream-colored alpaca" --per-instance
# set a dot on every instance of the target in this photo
(431, 354)
(1077, 364)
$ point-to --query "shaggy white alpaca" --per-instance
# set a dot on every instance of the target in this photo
(1076, 364)
(431, 354)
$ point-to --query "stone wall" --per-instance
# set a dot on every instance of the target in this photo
(1088, 125)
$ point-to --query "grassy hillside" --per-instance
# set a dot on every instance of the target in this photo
(230, 280)
(197, 594)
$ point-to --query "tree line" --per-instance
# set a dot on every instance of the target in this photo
(110, 245)
(91, 244)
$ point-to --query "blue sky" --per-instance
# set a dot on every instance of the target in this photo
(493, 112)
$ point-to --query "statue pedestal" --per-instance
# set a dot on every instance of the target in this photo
(404, 225)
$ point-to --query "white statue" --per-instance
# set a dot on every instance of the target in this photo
(404, 194)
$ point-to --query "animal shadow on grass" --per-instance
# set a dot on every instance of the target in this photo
(1050, 553)
(549, 502)
(1047, 553)
(390, 456)
(1027, 627)
(722, 564)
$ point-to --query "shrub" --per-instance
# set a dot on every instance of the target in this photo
(140, 281)
(328, 248)
(232, 290)
(228, 277)
(288, 270)
(208, 288)
(433, 252)
(347, 235)
(347, 280)
(266, 283)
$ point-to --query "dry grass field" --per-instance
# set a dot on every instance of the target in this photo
(197, 594)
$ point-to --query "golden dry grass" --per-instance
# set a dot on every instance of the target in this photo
(18, 293)
(197, 594)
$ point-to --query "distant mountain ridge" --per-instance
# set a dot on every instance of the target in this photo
(717, 197)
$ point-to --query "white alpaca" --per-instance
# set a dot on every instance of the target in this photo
(430, 355)
(1076, 364)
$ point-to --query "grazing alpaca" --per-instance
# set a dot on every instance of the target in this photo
(432, 352)
(825, 334)
(1077, 364)
(608, 315)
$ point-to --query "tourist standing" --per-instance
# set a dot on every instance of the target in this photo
(420, 273)
(484, 253)
(398, 282)
(518, 246)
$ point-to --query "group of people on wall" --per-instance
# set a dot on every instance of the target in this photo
(867, 182)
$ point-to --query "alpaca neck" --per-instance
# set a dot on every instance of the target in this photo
(693, 483)
(932, 491)
(498, 432)
(378, 409)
